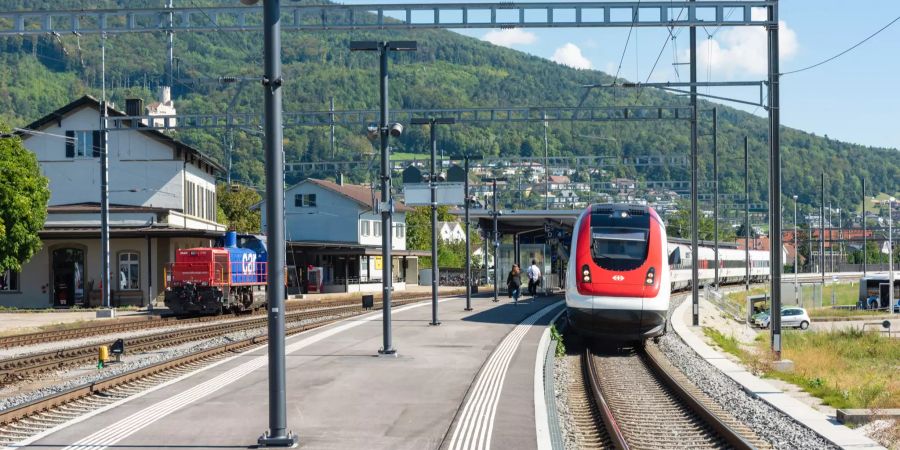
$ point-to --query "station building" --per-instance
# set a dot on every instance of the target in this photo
(162, 198)
(334, 228)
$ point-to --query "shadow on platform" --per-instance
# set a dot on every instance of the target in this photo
(510, 313)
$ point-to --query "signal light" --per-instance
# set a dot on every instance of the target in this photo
(651, 274)
(585, 274)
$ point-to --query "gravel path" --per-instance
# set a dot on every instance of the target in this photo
(562, 375)
(13, 395)
(770, 424)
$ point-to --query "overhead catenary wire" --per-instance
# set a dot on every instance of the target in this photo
(845, 51)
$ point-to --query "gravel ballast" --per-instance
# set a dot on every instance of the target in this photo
(769, 423)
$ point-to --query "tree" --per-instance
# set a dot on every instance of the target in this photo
(418, 237)
(235, 208)
(679, 225)
(24, 194)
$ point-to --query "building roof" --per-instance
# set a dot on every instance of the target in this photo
(88, 101)
(94, 207)
(125, 232)
(359, 193)
(559, 179)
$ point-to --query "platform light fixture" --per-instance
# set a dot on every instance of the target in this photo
(385, 131)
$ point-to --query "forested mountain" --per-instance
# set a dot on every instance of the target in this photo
(449, 70)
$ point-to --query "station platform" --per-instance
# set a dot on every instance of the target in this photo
(467, 383)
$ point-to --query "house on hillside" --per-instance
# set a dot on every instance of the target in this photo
(334, 225)
(451, 232)
(162, 198)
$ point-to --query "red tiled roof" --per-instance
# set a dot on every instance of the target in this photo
(359, 193)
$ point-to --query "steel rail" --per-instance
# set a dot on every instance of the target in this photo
(717, 423)
(616, 437)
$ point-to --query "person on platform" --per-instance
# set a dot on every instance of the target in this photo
(513, 283)
(534, 278)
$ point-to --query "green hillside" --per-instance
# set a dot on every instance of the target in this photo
(449, 70)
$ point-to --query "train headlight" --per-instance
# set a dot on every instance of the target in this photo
(651, 275)
(585, 274)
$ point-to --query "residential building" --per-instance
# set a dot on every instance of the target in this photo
(451, 232)
(335, 226)
(162, 198)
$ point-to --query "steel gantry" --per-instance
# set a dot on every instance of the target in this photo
(272, 18)
(365, 116)
(388, 16)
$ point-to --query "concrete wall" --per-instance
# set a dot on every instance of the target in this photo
(35, 287)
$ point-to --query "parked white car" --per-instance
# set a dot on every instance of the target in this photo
(792, 316)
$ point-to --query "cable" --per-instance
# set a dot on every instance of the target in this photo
(845, 51)
(627, 40)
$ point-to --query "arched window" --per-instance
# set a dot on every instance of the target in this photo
(129, 271)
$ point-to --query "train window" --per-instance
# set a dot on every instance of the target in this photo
(618, 248)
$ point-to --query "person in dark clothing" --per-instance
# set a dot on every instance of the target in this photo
(513, 282)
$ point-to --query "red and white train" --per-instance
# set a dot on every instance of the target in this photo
(622, 270)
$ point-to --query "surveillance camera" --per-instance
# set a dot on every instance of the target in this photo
(396, 130)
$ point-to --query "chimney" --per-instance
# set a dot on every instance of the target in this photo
(134, 106)
(340, 179)
(165, 95)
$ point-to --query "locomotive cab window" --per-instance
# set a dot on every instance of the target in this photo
(619, 248)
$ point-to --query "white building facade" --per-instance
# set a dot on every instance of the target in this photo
(162, 197)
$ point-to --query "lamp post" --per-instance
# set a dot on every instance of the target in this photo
(432, 183)
(468, 241)
(387, 205)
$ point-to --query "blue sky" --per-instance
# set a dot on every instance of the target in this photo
(853, 98)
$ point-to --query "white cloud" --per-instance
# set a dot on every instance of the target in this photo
(510, 37)
(570, 55)
(741, 52)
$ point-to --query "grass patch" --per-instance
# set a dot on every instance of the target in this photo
(727, 343)
(830, 312)
(560, 345)
(845, 368)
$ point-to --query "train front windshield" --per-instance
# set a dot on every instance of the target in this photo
(619, 248)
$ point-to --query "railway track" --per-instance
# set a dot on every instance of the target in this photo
(18, 368)
(132, 324)
(25, 420)
(643, 402)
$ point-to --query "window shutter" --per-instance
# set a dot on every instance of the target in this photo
(70, 144)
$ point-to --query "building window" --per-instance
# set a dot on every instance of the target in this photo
(364, 228)
(305, 200)
(84, 144)
(377, 228)
(129, 271)
(399, 230)
(9, 281)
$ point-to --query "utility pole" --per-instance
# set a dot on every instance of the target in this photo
(796, 250)
(170, 48)
(695, 274)
(715, 141)
(468, 241)
(865, 238)
(747, 231)
(496, 241)
(277, 435)
(331, 118)
(830, 239)
(890, 304)
(775, 255)
(106, 289)
(432, 183)
(822, 229)
(546, 164)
